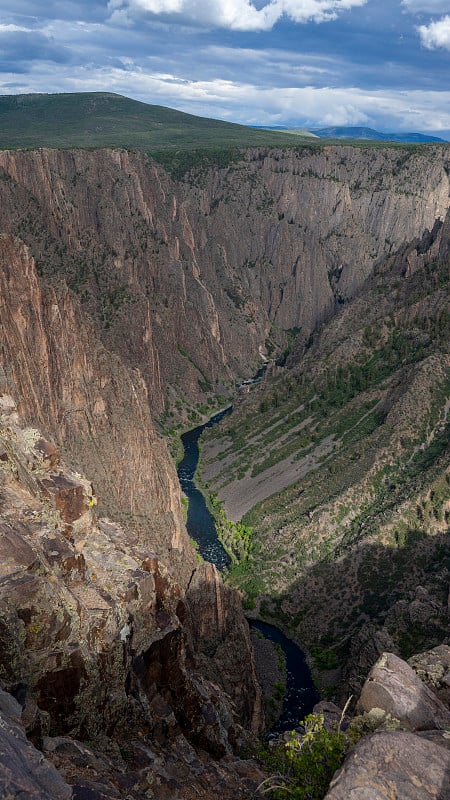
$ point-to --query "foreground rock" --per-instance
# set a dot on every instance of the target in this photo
(394, 687)
(408, 755)
(433, 668)
(99, 641)
(395, 764)
(24, 773)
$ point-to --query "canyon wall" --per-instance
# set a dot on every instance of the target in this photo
(214, 269)
(126, 294)
(65, 382)
(102, 624)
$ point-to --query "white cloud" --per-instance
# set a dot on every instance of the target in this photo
(13, 29)
(427, 6)
(387, 110)
(241, 15)
(436, 34)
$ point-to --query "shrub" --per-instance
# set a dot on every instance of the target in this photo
(305, 764)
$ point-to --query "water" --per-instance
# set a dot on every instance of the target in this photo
(301, 694)
(200, 523)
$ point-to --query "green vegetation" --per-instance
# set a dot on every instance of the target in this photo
(365, 416)
(303, 766)
(324, 659)
(101, 119)
(235, 537)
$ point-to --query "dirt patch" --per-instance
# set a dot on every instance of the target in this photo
(240, 496)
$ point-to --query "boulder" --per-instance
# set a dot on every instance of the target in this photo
(393, 764)
(394, 687)
(24, 773)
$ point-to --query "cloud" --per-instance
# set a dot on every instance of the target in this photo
(247, 102)
(14, 28)
(436, 34)
(21, 46)
(239, 15)
(427, 6)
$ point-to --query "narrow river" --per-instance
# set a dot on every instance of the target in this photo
(301, 694)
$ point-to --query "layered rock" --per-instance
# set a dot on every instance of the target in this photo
(272, 242)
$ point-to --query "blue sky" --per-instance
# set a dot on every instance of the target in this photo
(264, 62)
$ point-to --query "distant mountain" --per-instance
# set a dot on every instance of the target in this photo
(103, 119)
(340, 132)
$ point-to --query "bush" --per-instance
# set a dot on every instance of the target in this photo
(305, 764)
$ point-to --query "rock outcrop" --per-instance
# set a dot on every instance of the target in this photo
(393, 764)
(408, 756)
(433, 668)
(24, 772)
(394, 687)
(97, 637)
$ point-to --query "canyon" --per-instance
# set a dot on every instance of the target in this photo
(133, 299)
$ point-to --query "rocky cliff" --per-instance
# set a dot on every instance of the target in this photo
(218, 267)
(99, 641)
(81, 395)
(126, 293)
(339, 462)
(108, 631)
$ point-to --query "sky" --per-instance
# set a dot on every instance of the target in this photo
(383, 64)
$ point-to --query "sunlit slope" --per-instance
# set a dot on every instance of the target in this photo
(340, 465)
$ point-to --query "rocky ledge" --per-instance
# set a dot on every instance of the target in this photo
(107, 665)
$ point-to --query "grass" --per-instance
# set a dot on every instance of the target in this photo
(103, 119)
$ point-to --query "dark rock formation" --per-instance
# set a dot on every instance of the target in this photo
(23, 770)
(210, 267)
(64, 381)
(97, 638)
(218, 630)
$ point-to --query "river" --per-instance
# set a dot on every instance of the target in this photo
(301, 694)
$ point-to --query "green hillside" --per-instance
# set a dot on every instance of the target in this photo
(351, 443)
(102, 119)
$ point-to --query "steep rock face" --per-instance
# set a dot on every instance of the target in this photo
(84, 397)
(342, 458)
(217, 625)
(270, 243)
(71, 386)
(94, 627)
